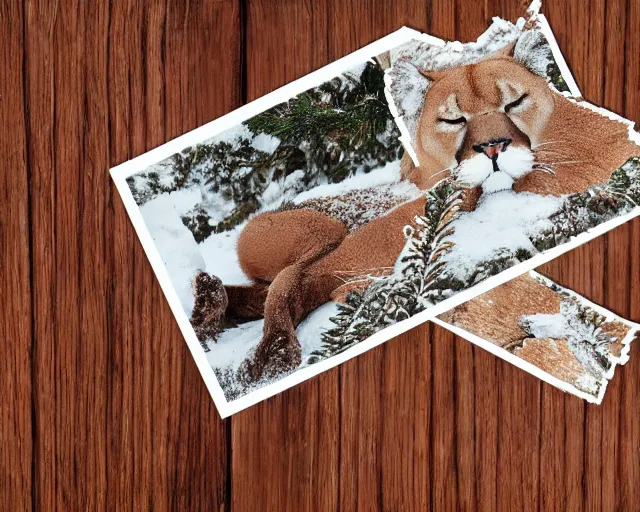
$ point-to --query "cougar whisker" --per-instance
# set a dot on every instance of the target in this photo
(547, 143)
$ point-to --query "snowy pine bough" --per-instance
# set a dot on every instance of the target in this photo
(428, 270)
(418, 280)
(323, 135)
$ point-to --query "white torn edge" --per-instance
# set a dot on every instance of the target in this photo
(122, 171)
(502, 353)
(522, 364)
(545, 28)
(534, 8)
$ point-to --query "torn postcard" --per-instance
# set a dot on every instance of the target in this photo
(547, 330)
(374, 194)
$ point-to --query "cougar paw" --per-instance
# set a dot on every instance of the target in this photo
(209, 307)
(276, 354)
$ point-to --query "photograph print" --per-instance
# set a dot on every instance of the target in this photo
(396, 189)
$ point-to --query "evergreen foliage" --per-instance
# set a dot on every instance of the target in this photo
(421, 278)
(585, 210)
(418, 281)
(326, 134)
(342, 126)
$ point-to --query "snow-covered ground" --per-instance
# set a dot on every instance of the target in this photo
(234, 345)
(217, 255)
(174, 242)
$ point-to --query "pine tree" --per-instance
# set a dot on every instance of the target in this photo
(342, 126)
(325, 134)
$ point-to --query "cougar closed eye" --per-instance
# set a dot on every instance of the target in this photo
(516, 103)
(459, 120)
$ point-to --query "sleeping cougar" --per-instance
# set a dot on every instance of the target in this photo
(493, 125)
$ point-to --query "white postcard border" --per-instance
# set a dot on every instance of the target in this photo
(205, 132)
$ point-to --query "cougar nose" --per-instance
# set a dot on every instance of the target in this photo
(493, 147)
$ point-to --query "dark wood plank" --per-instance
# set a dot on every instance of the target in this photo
(293, 437)
(79, 149)
(39, 21)
(123, 75)
(123, 418)
(106, 408)
(629, 377)
(405, 404)
(16, 446)
(442, 19)
(487, 423)
(617, 276)
(444, 482)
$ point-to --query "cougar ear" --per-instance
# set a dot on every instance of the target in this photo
(432, 76)
(406, 88)
(506, 52)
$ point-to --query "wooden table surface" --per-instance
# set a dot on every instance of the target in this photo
(102, 404)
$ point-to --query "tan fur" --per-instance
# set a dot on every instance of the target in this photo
(495, 315)
(299, 258)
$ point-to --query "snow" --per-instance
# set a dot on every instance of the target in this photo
(496, 182)
(293, 179)
(262, 141)
(282, 190)
(353, 74)
(216, 205)
(176, 245)
(503, 221)
(583, 339)
(265, 142)
(545, 325)
(232, 136)
(408, 88)
(220, 257)
(388, 174)
(235, 345)
(589, 383)
(309, 330)
(186, 199)
(534, 7)
(182, 200)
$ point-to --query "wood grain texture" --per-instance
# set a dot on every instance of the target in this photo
(102, 405)
(16, 415)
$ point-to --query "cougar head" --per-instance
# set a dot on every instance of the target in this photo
(481, 122)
